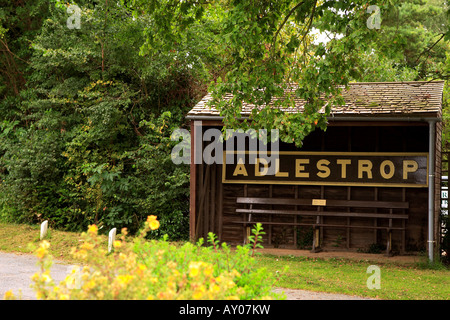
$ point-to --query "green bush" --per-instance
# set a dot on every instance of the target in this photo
(86, 145)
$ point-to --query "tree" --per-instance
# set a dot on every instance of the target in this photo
(93, 144)
(265, 45)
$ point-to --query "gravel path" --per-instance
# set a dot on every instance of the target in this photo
(292, 294)
(17, 269)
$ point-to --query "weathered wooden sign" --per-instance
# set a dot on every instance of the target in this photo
(326, 168)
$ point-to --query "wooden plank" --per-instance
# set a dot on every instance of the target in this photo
(329, 203)
(270, 218)
(212, 214)
(375, 221)
(315, 224)
(348, 218)
(296, 216)
(324, 213)
(206, 203)
(220, 204)
(320, 218)
(202, 200)
(245, 215)
(403, 244)
(192, 187)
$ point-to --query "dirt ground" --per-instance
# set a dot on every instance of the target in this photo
(293, 294)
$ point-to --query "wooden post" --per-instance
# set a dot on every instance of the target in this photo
(220, 204)
(192, 186)
(348, 218)
(389, 237)
(295, 218)
(270, 217)
(245, 218)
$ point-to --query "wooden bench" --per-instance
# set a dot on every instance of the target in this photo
(315, 209)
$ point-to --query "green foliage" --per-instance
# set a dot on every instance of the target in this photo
(90, 142)
(86, 114)
(158, 270)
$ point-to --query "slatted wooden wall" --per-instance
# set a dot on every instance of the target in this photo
(216, 202)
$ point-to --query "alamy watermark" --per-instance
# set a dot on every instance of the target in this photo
(374, 21)
(259, 144)
(374, 281)
(74, 21)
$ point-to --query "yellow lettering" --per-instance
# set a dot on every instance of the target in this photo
(259, 173)
(383, 165)
(364, 166)
(343, 163)
(322, 165)
(409, 166)
(240, 169)
(299, 168)
(277, 169)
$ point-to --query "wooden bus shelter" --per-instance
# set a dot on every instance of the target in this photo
(369, 182)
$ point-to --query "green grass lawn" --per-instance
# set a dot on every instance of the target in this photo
(21, 238)
(350, 277)
(413, 281)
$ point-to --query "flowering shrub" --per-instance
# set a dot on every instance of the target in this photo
(142, 269)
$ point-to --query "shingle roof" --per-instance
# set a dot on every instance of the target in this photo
(415, 98)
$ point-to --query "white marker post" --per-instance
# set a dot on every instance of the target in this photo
(111, 238)
(44, 228)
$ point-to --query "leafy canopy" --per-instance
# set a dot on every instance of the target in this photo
(263, 46)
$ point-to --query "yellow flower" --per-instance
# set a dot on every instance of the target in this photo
(87, 246)
(93, 229)
(35, 277)
(214, 288)
(8, 295)
(153, 224)
(41, 252)
(69, 281)
(153, 280)
(208, 271)
(46, 277)
(124, 279)
(230, 283)
(140, 269)
(198, 293)
(117, 244)
(82, 254)
(194, 269)
(45, 244)
(89, 285)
